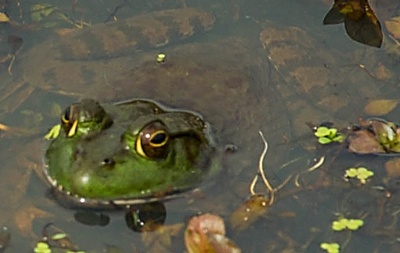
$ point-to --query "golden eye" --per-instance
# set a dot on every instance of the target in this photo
(66, 116)
(153, 141)
(86, 116)
(69, 121)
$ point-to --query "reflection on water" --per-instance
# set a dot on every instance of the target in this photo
(241, 85)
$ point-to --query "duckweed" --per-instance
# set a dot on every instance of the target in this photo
(327, 135)
(350, 224)
(53, 133)
(330, 247)
(360, 173)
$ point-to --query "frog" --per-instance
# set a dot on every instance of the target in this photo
(128, 153)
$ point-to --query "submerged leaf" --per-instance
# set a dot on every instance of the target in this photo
(40, 11)
(206, 234)
(364, 142)
(379, 107)
(249, 212)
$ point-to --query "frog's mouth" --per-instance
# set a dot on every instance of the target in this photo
(74, 201)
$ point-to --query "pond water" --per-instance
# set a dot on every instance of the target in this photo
(268, 65)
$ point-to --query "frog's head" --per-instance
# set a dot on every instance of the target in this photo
(128, 153)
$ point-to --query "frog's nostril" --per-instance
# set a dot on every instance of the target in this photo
(108, 161)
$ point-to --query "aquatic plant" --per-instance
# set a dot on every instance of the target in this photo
(330, 247)
(350, 224)
(360, 173)
(53, 133)
(327, 135)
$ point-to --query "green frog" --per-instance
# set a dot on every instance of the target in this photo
(128, 153)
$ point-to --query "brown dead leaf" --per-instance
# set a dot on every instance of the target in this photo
(364, 142)
(206, 233)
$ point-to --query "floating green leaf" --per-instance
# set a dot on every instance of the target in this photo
(338, 138)
(53, 133)
(354, 224)
(364, 174)
(322, 131)
(351, 173)
(330, 247)
(324, 140)
(42, 247)
(59, 236)
(327, 135)
(339, 225)
(350, 224)
(360, 173)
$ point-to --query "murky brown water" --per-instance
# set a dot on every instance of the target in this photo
(313, 74)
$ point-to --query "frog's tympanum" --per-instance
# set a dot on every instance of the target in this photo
(127, 153)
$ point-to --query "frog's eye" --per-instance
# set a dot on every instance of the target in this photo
(66, 116)
(153, 140)
(69, 122)
(84, 117)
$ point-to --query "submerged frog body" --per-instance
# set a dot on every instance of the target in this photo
(128, 153)
(240, 87)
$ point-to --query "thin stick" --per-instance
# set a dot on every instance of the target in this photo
(317, 165)
(253, 185)
(312, 168)
(261, 171)
(11, 65)
(283, 183)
